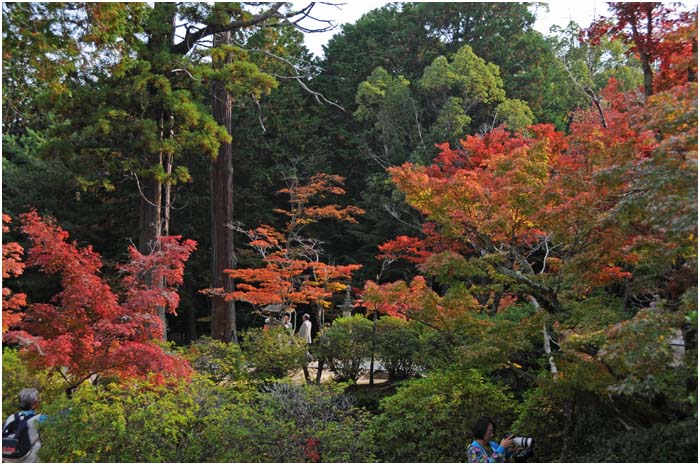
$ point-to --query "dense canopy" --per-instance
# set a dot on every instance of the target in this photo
(476, 219)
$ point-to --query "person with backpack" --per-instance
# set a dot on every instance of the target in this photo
(20, 435)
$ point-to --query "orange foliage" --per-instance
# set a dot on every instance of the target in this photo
(292, 272)
(12, 266)
(547, 204)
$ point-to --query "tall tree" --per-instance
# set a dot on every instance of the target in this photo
(132, 108)
(223, 313)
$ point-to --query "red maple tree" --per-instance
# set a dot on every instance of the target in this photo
(664, 39)
(87, 330)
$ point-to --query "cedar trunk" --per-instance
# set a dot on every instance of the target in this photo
(223, 314)
(150, 230)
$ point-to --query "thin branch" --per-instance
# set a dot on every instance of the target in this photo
(588, 92)
(191, 38)
(317, 95)
(396, 216)
(183, 70)
(260, 118)
(143, 196)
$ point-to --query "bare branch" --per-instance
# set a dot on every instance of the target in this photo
(143, 196)
(183, 70)
(392, 211)
(194, 34)
(297, 77)
(260, 119)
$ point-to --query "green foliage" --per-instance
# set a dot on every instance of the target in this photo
(515, 114)
(346, 345)
(217, 360)
(397, 342)
(273, 353)
(385, 102)
(469, 75)
(642, 444)
(545, 419)
(455, 89)
(135, 421)
(430, 419)
(593, 312)
(436, 351)
(562, 427)
(17, 375)
(204, 422)
(638, 353)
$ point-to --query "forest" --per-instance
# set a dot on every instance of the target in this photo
(478, 219)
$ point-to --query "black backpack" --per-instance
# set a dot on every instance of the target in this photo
(15, 437)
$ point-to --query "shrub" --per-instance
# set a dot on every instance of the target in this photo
(642, 444)
(577, 426)
(273, 353)
(545, 419)
(430, 419)
(346, 345)
(133, 421)
(435, 351)
(17, 375)
(396, 346)
(218, 360)
(285, 423)
(326, 425)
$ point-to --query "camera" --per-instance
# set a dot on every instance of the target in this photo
(520, 441)
(525, 445)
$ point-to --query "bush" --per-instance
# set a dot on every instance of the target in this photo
(283, 423)
(643, 444)
(273, 353)
(326, 425)
(217, 360)
(17, 375)
(544, 418)
(134, 421)
(430, 419)
(578, 426)
(397, 344)
(435, 351)
(346, 345)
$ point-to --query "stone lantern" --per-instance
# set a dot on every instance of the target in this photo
(346, 307)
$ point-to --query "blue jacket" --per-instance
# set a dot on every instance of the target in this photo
(477, 454)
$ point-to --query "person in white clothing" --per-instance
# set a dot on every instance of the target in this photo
(305, 329)
(287, 323)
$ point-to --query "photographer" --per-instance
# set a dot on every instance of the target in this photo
(482, 449)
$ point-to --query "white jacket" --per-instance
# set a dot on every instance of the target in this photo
(305, 331)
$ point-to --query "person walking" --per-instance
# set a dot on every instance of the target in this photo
(305, 334)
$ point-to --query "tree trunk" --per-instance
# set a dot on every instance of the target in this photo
(150, 230)
(645, 58)
(150, 210)
(319, 371)
(648, 74)
(223, 314)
